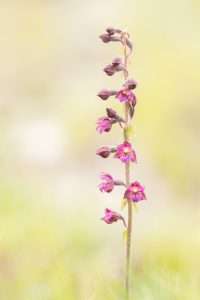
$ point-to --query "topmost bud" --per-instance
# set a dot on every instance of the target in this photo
(111, 30)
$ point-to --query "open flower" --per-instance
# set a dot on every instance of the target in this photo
(125, 95)
(135, 192)
(107, 183)
(112, 216)
(125, 152)
(104, 124)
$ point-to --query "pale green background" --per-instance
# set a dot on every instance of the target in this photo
(52, 244)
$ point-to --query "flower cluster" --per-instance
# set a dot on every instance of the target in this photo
(125, 152)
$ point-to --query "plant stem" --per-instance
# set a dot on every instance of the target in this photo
(127, 181)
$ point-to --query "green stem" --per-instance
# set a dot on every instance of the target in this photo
(127, 180)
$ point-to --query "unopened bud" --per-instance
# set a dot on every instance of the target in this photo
(106, 38)
(110, 70)
(111, 30)
(104, 151)
(130, 84)
(104, 94)
(116, 61)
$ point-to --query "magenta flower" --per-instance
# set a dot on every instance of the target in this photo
(125, 152)
(126, 95)
(135, 192)
(112, 216)
(104, 124)
(107, 183)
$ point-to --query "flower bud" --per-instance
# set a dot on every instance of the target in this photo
(111, 30)
(111, 113)
(104, 94)
(130, 84)
(110, 70)
(104, 151)
(106, 38)
(116, 61)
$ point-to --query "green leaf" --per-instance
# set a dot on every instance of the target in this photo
(124, 202)
(135, 206)
(124, 235)
(129, 130)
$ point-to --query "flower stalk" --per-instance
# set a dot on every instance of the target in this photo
(127, 181)
(134, 192)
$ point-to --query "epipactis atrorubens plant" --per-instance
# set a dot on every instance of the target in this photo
(134, 191)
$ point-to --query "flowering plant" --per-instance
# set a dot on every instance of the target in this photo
(134, 192)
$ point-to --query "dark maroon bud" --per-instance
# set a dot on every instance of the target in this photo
(119, 182)
(129, 44)
(110, 70)
(104, 151)
(111, 113)
(130, 84)
(116, 61)
(111, 30)
(106, 38)
(104, 94)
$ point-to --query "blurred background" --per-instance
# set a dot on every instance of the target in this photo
(52, 244)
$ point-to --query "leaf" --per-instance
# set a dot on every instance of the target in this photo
(124, 202)
(124, 235)
(129, 130)
(135, 206)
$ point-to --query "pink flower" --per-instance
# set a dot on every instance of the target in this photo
(125, 152)
(104, 124)
(107, 184)
(135, 192)
(126, 95)
(112, 216)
